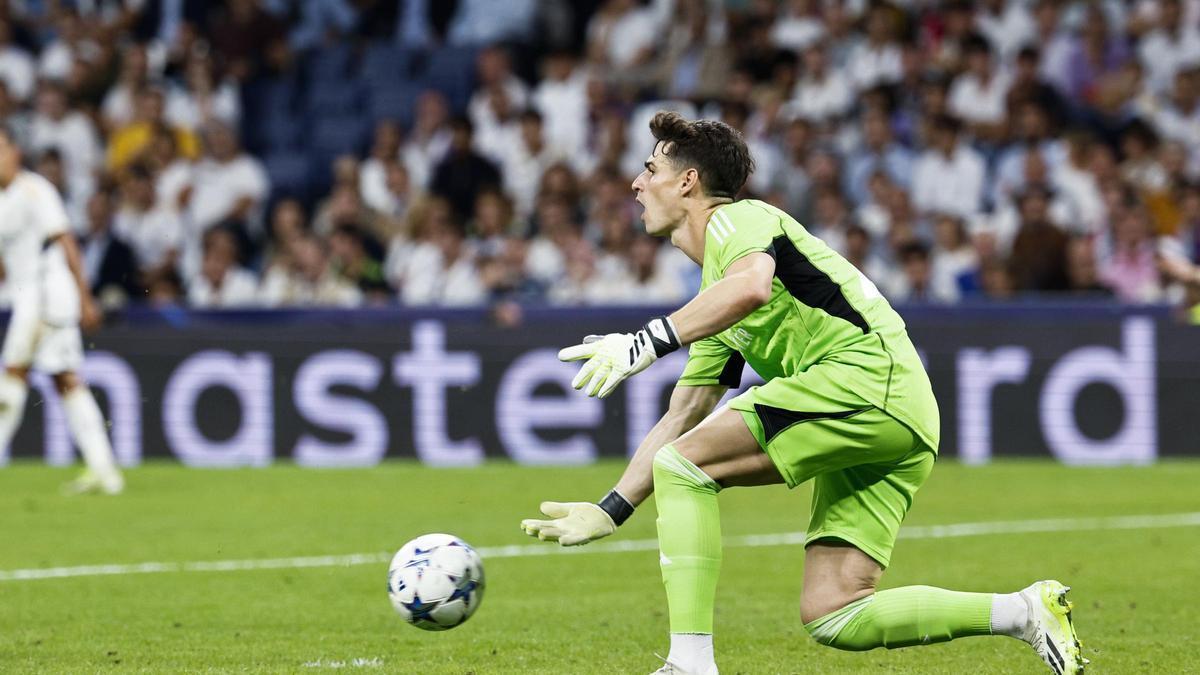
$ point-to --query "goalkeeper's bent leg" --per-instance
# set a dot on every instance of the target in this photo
(689, 539)
(903, 617)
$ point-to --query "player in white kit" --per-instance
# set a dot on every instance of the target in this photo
(50, 300)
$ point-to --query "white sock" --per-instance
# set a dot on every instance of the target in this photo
(87, 428)
(1010, 615)
(693, 652)
(13, 391)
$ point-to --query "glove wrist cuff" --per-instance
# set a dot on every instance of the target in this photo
(663, 335)
(616, 506)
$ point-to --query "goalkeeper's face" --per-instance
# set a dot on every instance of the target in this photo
(660, 189)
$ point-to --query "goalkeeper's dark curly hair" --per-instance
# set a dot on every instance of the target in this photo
(717, 151)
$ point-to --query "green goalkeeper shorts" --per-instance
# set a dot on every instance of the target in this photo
(865, 465)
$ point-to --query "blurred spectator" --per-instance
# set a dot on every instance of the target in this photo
(561, 97)
(525, 159)
(798, 26)
(372, 173)
(1127, 261)
(949, 176)
(621, 36)
(694, 62)
(133, 76)
(879, 152)
(1172, 45)
(979, 94)
(222, 282)
(109, 264)
(429, 139)
(227, 183)
(319, 21)
(496, 87)
(239, 32)
(16, 65)
(69, 43)
(15, 117)
(648, 281)
(1039, 249)
(50, 165)
(303, 277)
(916, 282)
(484, 22)
(463, 172)
(1097, 52)
(203, 98)
(156, 232)
(953, 258)
(876, 60)
(557, 234)
(71, 133)
(350, 257)
(129, 142)
(823, 93)
(1007, 25)
(1082, 275)
(448, 270)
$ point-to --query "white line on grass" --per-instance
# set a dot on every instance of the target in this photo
(620, 546)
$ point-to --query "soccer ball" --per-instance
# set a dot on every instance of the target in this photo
(436, 581)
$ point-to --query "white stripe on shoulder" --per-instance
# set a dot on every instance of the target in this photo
(716, 232)
(724, 217)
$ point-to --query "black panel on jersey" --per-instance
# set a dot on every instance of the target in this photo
(810, 285)
(777, 420)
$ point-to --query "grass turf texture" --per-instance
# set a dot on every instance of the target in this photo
(1135, 594)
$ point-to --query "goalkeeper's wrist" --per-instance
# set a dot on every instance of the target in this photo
(616, 506)
(663, 335)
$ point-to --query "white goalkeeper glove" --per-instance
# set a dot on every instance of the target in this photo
(576, 523)
(612, 358)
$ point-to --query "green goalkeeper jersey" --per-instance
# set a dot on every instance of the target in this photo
(823, 311)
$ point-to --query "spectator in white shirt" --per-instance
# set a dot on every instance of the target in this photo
(222, 282)
(155, 232)
(648, 282)
(117, 109)
(203, 98)
(561, 97)
(304, 278)
(622, 35)
(823, 94)
(1007, 24)
(71, 43)
(526, 160)
(372, 174)
(876, 60)
(1171, 46)
(949, 176)
(799, 26)
(978, 95)
(429, 138)
(444, 271)
(494, 72)
(70, 132)
(227, 184)
(16, 65)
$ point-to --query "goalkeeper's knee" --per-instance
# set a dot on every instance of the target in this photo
(673, 468)
(836, 628)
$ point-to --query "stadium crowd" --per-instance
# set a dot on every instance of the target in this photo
(349, 152)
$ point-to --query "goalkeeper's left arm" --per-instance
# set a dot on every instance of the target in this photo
(575, 523)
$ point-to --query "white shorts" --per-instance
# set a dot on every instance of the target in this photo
(48, 348)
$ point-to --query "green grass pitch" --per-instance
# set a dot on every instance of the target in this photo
(1135, 590)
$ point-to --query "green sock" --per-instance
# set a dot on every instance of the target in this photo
(689, 538)
(902, 617)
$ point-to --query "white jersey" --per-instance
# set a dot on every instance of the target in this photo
(37, 276)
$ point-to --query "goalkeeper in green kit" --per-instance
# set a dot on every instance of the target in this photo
(846, 404)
